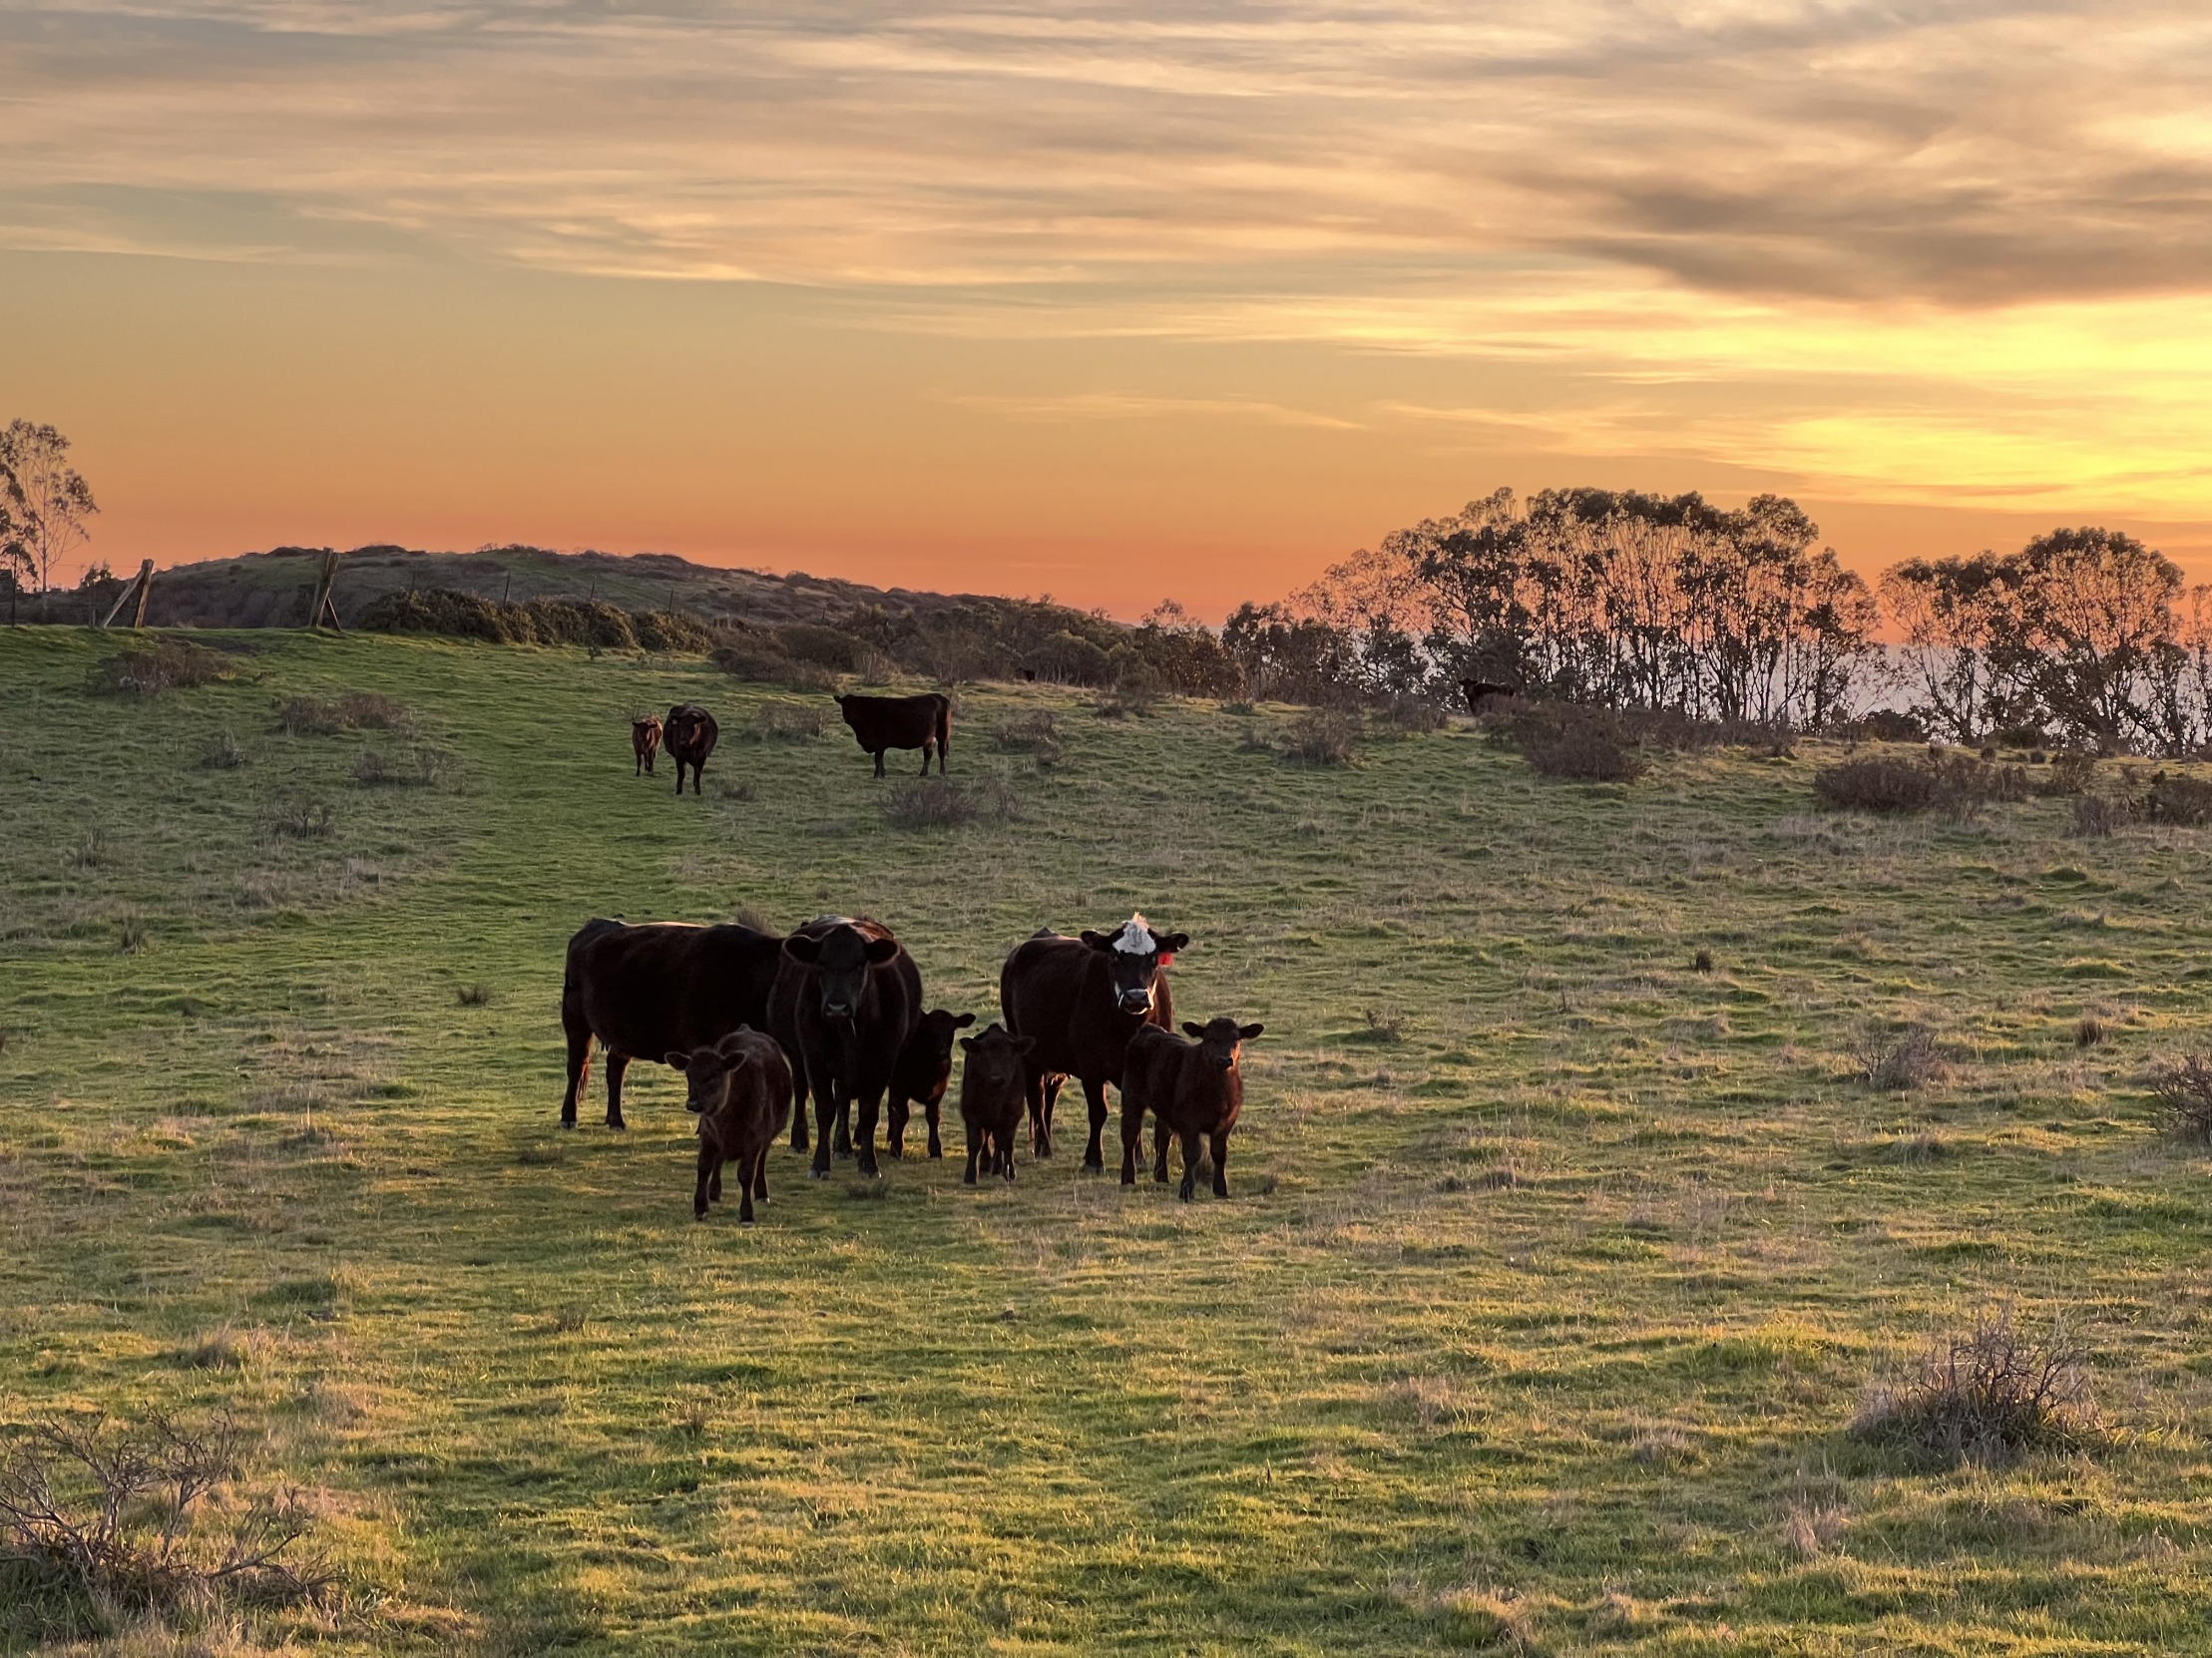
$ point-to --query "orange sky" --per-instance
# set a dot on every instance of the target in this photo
(1118, 302)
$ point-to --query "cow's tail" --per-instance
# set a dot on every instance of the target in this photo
(944, 730)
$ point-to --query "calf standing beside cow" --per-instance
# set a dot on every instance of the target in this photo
(834, 1012)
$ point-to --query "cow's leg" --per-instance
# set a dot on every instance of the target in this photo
(715, 1185)
(1161, 1139)
(894, 1134)
(617, 1064)
(928, 748)
(932, 1112)
(1189, 1164)
(825, 1113)
(977, 1141)
(1093, 1157)
(844, 1126)
(798, 1106)
(1006, 1158)
(579, 1071)
(710, 1170)
(1133, 1138)
(760, 1174)
(864, 1138)
(1220, 1150)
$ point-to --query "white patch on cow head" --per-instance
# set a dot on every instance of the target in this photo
(1136, 937)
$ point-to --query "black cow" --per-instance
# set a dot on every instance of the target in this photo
(846, 1000)
(689, 736)
(1191, 1088)
(881, 722)
(1080, 1001)
(653, 989)
(924, 1071)
(992, 1088)
(1483, 695)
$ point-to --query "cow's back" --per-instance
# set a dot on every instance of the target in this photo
(663, 986)
(1059, 991)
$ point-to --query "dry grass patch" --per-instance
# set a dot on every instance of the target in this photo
(1989, 1395)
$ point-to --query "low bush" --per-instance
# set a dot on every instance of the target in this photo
(790, 722)
(1324, 737)
(2174, 798)
(940, 803)
(2096, 816)
(314, 716)
(302, 817)
(163, 665)
(1413, 716)
(100, 1517)
(422, 769)
(589, 622)
(222, 752)
(2069, 775)
(1574, 741)
(1956, 784)
(753, 658)
(1034, 732)
(1909, 1061)
(1989, 1395)
(2184, 1089)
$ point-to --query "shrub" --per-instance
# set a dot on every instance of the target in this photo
(164, 664)
(370, 711)
(1324, 737)
(1414, 716)
(938, 803)
(2184, 1089)
(302, 817)
(145, 1517)
(1568, 739)
(1253, 740)
(2096, 816)
(790, 722)
(307, 717)
(1991, 1395)
(2174, 798)
(2070, 774)
(1034, 732)
(2091, 1032)
(1956, 784)
(473, 996)
(370, 769)
(1882, 725)
(672, 633)
(749, 658)
(310, 716)
(1912, 1061)
(222, 752)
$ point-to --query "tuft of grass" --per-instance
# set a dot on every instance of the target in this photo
(2098, 817)
(945, 803)
(1414, 716)
(2174, 797)
(2091, 1032)
(131, 935)
(222, 752)
(1702, 962)
(1034, 731)
(92, 850)
(302, 817)
(1989, 1395)
(474, 996)
(163, 665)
(2184, 1089)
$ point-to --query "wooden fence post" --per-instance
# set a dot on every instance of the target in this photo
(324, 609)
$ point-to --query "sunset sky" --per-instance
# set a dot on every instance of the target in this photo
(1115, 302)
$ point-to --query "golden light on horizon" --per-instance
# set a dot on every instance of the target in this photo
(1115, 302)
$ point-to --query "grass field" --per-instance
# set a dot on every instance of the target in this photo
(1552, 1274)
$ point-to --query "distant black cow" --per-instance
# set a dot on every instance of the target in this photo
(1483, 695)
(645, 742)
(1192, 1089)
(656, 989)
(689, 736)
(994, 1085)
(1080, 1001)
(924, 1070)
(881, 722)
(846, 1000)
(741, 1089)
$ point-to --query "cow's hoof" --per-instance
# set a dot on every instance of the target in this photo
(1093, 1166)
(698, 1214)
(895, 1154)
(817, 1174)
(567, 1122)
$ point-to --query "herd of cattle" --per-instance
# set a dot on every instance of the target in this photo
(759, 1024)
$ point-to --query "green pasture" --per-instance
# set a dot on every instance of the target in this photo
(1552, 1274)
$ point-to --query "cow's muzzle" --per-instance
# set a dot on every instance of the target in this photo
(1136, 1002)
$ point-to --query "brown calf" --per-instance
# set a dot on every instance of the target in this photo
(1191, 1088)
(993, 1092)
(924, 1069)
(644, 741)
(741, 1089)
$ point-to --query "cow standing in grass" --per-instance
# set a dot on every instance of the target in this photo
(994, 1086)
(885, 722)
(658, 988)
(1080, 1002)
(923, 1073)
(847, 997)
(689, 736)
(645, 742)
(741, 1089)
(1193, 1089)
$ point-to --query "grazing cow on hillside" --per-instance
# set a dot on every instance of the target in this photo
(924, 1070)
(847, 997)
(689, 736)
(994, 1086)
(655, 989)
(882, 722)
(1080, 1001)
(645, 742)
(1191, 1088)
(741, 1089)
(1483, 695)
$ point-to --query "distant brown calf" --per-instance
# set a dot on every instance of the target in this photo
(644, 741)
(994, 1095)
(1191, 1088)
(741, 1089)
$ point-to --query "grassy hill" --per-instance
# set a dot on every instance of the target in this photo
(275, 588)
(1554, 1274)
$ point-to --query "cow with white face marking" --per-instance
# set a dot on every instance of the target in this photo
(1080, 1001)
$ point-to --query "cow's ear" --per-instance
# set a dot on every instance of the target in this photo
(681, 1062)
(963, 1021)
(1172, 944)
(968, 1043)
(1193, 1031)
(732, 1045)
(1248, 1031)
(880, 951)
(800, 948)
(1022, 1045)
(1097, 941)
